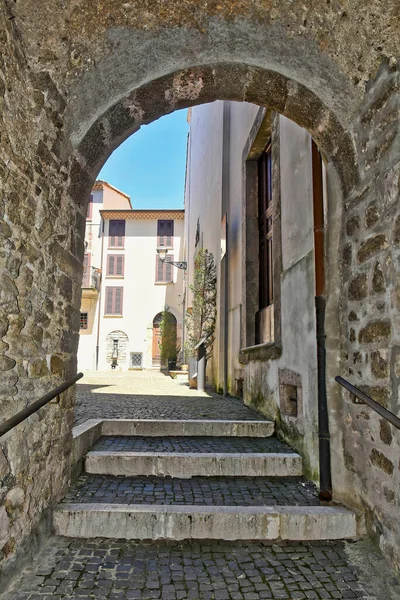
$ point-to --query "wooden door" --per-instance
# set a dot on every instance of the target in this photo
(156, 345)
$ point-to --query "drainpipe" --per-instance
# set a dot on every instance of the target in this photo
(225, 206)
(99, 297)
(325, 477)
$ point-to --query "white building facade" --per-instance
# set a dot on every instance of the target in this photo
(125, 285)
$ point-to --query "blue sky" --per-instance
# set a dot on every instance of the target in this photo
(150, 165)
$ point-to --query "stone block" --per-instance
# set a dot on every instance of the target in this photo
(372, 246)
(378, 459)
(375, 331)
(358, 287)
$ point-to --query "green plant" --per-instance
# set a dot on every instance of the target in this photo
(200, 320)
(168, 347)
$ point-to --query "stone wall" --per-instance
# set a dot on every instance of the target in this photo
(75, 80)
(39, 293)
(371, 308)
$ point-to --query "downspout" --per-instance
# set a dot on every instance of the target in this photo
(99, 299)
(325, 477)
(225, 207)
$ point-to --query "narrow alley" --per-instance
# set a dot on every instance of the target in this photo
(188, 495)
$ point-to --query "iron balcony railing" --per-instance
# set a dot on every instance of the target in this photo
(91, 278)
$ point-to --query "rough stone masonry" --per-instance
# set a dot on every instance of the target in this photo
(76, 78)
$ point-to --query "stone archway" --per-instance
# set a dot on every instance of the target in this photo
(76, 81)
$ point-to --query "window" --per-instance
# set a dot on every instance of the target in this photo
(164, 270)
(165, 233)
(116, 234)
(266, 288)
(84, 320)
(115, 265)
(114, 297)
(90, 208)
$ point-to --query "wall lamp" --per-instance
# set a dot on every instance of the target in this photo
(162, 253)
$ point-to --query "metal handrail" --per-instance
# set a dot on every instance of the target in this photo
(381, 410)
(32, 408)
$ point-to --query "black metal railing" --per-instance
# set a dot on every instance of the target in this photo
(91, 278)
(381, 410)
(32, 408)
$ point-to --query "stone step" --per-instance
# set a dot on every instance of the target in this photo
(174, 522)
(185, 464)
(202, 491)
(185, 427)
(186, 444)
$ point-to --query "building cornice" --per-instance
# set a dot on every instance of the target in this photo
(141, 215)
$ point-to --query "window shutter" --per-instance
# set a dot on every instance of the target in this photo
(110, 264)
(118, 301)
(168, 269)
(109, 300)
(119, 267)
(159, 269)
(114, 297)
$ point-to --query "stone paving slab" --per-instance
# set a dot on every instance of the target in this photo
(190, 444)
(126, 570)
(151, 395)
(207, 491)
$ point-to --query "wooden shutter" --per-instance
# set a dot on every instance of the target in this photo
(265, 230)
(114, 300)
(86, 269)
(168, 270)
(115, 264)
(118, 293)
(165, 233)
(164, 270)
(110, 264)
(119, 264)
(116, 234)
(109, 300)
(159, 269)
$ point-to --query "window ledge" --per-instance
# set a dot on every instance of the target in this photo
(115, 247)
(163, 282)
(115, 276)
(267, 351)
(113, 316)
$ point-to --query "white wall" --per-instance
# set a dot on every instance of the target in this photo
(203, 194)
(143, 298)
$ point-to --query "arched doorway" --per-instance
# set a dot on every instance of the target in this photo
(157, 337)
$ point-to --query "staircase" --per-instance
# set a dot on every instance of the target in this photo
(197, 479)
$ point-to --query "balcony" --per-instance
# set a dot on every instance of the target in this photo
(91, 282)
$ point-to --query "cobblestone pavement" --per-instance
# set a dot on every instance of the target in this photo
(211, 491)
(118, 570)
(190, 444)
(151, 395)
